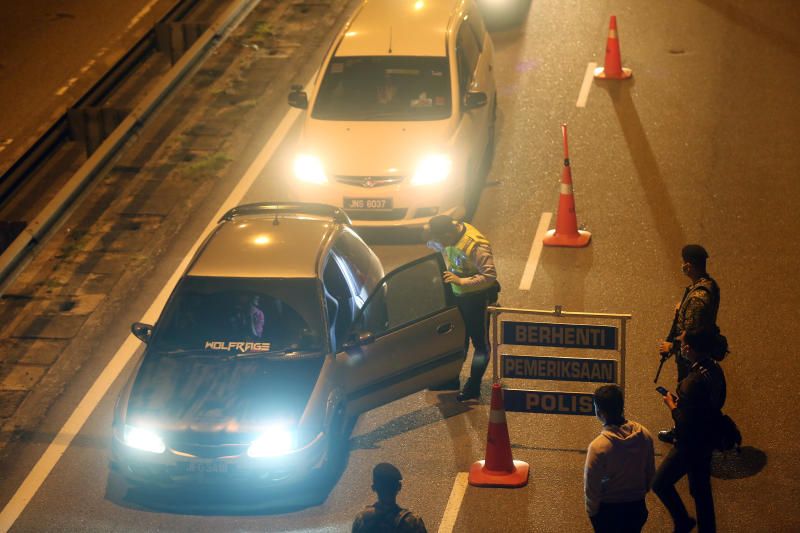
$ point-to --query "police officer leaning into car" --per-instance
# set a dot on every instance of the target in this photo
(696, 409)
(473, 278)
(385, 516)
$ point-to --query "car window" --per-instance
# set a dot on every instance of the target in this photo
(231, 315)
(475, 24)
(384, 88)
(361, 267)
(405, 296)
(467, 50)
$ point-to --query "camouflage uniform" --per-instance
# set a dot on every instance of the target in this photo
(387, 518)
(697, 312)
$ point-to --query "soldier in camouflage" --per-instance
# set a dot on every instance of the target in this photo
(385, 516)
(696, 312)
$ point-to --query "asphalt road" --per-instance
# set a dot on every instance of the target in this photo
(51, 53)
(698, 147)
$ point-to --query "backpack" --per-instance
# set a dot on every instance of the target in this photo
(720, 349)
(728, 436)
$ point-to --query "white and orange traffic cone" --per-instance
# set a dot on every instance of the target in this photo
(566, 232)
(612, 70)
(499, 469)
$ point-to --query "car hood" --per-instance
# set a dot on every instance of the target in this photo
(208, 395)
(369, 148)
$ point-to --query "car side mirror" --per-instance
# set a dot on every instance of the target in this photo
(360, 339)
(298, 97)
(475, 99)
(142, 331)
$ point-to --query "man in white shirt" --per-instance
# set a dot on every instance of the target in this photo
(620, 464)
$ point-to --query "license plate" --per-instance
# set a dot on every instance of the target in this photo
(213, 467)
(376, 204)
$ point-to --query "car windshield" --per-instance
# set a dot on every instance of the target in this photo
(235, 316)
(384, 88)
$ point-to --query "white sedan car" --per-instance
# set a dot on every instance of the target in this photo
(400, 121)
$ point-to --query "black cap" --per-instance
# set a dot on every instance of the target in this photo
(385, 474)
(441, 225)
(694, 254)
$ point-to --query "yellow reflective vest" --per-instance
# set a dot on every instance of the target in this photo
(459, 260)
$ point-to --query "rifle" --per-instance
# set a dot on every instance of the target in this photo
(673, 332)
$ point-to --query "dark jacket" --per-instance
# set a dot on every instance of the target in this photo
(381, 518)
(701, 396)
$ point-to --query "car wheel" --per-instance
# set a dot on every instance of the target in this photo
(337, 445)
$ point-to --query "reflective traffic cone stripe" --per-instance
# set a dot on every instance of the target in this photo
(612, 69)
(566, 232)
(499, 469)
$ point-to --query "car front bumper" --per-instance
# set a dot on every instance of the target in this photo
(173, 468)
(411, 206)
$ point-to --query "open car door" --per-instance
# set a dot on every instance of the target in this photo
(408, 336)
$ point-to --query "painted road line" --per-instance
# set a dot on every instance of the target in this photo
(98, 390)
(536, 252)
(586, 85)
(454, 503)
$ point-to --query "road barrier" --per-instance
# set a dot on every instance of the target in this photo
(552, 367)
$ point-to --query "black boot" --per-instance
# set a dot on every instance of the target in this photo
(471, 391)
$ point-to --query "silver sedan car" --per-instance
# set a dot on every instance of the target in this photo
(282, 329)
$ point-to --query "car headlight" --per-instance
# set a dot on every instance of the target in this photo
(274, 441)
(432, 169)
(143, 439)
(309, 168)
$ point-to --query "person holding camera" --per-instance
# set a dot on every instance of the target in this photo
(696, 408)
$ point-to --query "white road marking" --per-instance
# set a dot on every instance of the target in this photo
(535, 253)
(586, 85)
(65, 88)
(144, 11)
(454, 503)
(87, 66)
(98, 390)
(5, 143)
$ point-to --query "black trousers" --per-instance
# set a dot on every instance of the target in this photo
(697, 466)
(627, 517)
(473, 310)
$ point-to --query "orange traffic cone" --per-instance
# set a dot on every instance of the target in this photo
(499, 469)
(613, 66)
(566, 232)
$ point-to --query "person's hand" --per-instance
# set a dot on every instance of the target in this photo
(449, 277)
(664, 347)
(670, 401)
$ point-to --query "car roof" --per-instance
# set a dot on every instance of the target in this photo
(411, 27)
(253, 246)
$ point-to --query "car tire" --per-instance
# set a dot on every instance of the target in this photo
(338, 443)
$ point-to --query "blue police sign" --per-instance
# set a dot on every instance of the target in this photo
(559, 368)
(560, 335)
(547, 402)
